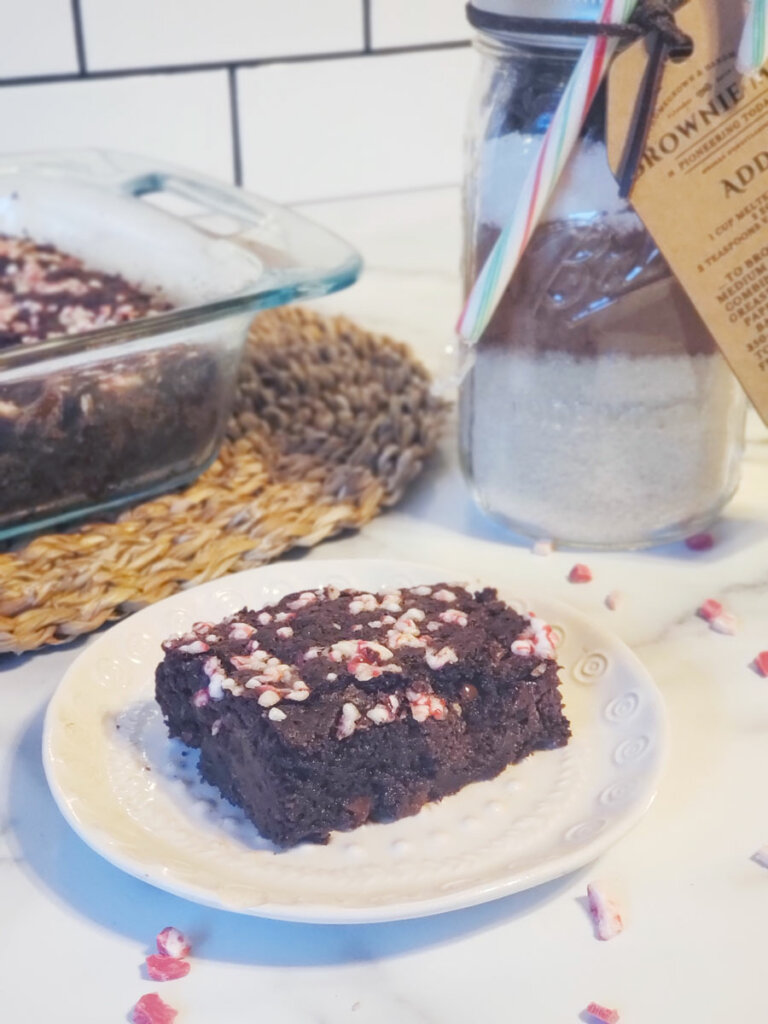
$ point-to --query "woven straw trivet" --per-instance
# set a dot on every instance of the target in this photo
(330, 425)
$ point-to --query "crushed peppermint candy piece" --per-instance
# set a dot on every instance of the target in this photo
(726, 623)
(761, 663)
(240, 631)
(605, 911)
(700, 542)
(523, 646)
(426, 705)
(444, 595)
(349, 717)
(453, 617)
(171, 942)
(710, 610)
(386, 712)
(761, 856)
(200, 698)
(363, 603)
(614, 600)
(445, 656)
(196, 647)
(276, 715)
(166, 968)
(580, 573)
(264, 618)
(284, 632)
(151, 1009)
(603, 1014)
(543, 548)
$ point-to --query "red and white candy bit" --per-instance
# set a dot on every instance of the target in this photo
(761, 663)
(605, 911)
(602, 1013)
(725, 623)
(166, 968)
(151, 1009)
(710, 610)
(614, 600)
(580, 573)
(700, 542)
(170, 942)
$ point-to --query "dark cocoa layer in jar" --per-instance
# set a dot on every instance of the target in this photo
(590, 286)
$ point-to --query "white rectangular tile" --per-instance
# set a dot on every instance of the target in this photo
(37, 38)
(349, 127)
(146, 33)
(183, 118)
(407, 22)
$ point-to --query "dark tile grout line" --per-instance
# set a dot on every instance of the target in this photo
(366, 25)
(77, 28)
(234, 113)
(235, 65)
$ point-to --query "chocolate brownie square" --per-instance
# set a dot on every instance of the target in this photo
(333, 708)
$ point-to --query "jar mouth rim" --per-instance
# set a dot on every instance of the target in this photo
(575, 29)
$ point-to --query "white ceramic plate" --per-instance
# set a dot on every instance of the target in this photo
(133, 795)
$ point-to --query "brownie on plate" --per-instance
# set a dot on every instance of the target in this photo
(333, 708)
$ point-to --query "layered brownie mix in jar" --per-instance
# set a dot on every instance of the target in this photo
(595, 408)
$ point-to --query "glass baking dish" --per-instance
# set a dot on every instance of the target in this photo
(115, 414)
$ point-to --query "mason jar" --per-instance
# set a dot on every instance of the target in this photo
(595, 409)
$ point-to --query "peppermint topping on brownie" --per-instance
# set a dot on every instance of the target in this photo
(453, 615)
(45, 293)
(426, 705)
(240, 631)
(349, 717)
(195, 647)
(389, 657)
(445, 656)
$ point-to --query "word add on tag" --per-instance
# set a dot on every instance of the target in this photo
(702, 182)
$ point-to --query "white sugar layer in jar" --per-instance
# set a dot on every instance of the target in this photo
(607, 452)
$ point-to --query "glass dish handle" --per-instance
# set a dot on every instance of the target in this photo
(284, 240)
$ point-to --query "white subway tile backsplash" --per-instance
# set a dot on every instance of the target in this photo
(180, 118)
(144, 33)
(348, 127)
(37, 39)
(408, 22)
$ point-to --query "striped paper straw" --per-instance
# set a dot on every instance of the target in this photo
(559, 141)
(753, 52)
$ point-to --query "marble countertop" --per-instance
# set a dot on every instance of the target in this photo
(75, 930)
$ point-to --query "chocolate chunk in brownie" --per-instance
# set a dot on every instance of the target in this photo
(333, 708)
